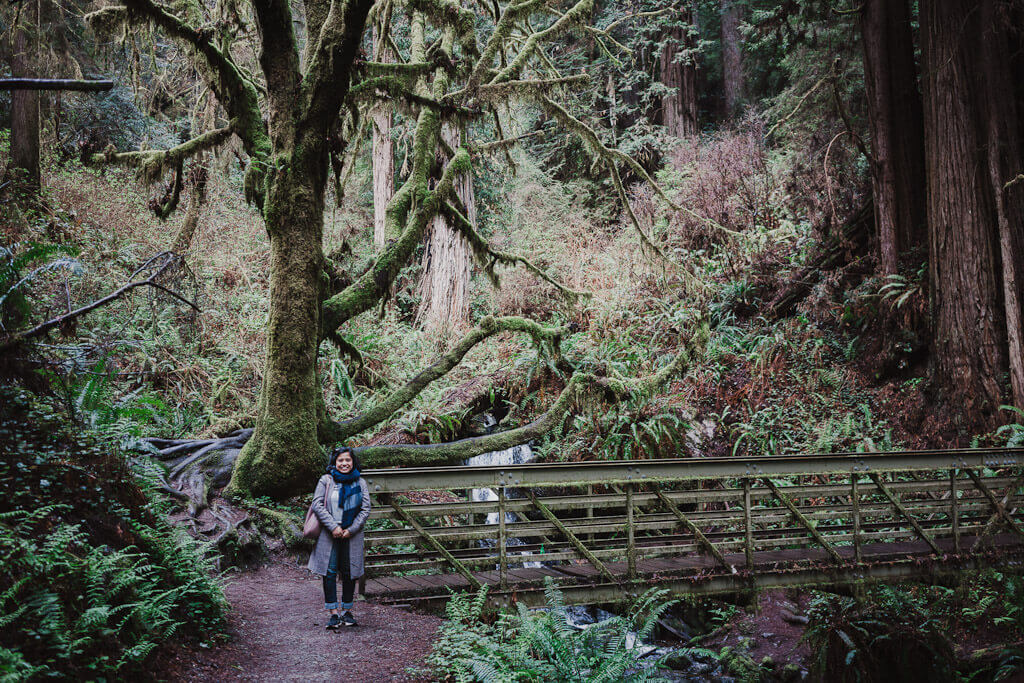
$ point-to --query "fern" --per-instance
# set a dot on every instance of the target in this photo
(542, 645)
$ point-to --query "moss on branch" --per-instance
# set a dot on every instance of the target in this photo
(579, 385)
(489, 257)
(489, 326)
(152, 164)
(577, 14)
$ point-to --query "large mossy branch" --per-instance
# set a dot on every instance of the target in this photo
(235, 92)
(488, 327)
(578, 387)
(279, 58)
(373, 285)
(499, 37)
(528, 89)
(451, 13)
(489, 257)
(153, 163)
(329, 73)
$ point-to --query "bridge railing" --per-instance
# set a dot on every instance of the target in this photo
(612, 521)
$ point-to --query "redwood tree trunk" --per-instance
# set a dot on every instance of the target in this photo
(25, 103)
(732, 58)
(1005, 161)
(447, 264)
(383, 153)
(897, 130)
(679, 72)
(974, 225)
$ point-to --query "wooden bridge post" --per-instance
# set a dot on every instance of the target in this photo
(502, 541)
(630, 534)
(748, 541)
(954, 509)
(590, 509)
(855, 502)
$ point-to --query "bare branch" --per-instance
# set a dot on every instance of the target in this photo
(41, 329)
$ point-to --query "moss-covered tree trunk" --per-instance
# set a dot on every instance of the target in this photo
(283, 453)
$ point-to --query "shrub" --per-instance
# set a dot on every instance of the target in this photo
(890, 637)
(542, 645)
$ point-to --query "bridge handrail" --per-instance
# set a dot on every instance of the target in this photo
(681, 469)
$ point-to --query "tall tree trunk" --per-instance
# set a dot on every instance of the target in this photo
(283, 453)
(679, 71)
(25, 103)
(732, 57)
(447, 264)
(383, 154)
(897, 130)
(1005, 161)
(972, 221)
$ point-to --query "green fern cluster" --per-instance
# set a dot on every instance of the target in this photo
(893, 635)
(82, 611)
(91, 578)
(543, 645)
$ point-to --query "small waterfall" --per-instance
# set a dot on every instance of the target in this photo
(516, 455)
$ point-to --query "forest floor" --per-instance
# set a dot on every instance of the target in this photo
(277, 634)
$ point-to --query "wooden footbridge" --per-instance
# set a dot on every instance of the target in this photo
(604, 531)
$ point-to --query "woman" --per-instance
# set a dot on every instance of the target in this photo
(339, 548)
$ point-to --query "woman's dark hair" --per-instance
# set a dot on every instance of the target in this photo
(356, 462)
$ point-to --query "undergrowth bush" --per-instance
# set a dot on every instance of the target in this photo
(92, 579)
(543, 645)
(891, 636)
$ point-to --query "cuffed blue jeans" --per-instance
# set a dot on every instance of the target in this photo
(339, 549)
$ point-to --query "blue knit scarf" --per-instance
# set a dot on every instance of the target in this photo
(350, 495)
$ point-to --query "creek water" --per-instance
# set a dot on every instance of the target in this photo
(516, 455)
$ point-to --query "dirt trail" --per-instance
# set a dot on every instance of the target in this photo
(277, 628)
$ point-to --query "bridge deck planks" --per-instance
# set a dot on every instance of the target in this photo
(691, 564)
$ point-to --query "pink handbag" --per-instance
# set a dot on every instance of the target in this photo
(311, 527)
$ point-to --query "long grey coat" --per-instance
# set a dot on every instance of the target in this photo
(320, 558)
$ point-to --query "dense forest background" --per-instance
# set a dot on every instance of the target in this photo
(615, 229)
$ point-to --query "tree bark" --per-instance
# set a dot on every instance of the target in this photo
(1005, 161)
(732, 58)
(897, 130)
(447, 263)
(283, 453)
(968, 210)
(679, 72)
(25, 103)
(383, 157)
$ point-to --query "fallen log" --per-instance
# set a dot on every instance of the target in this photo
(853, 240)
(55, 84)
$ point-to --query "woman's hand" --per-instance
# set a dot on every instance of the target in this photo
(338, 532)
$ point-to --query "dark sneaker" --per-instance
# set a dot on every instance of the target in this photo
(334, 622)
(348, 620)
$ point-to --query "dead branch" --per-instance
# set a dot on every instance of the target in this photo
(169, 259)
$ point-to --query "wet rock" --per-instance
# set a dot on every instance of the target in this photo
(679, 660)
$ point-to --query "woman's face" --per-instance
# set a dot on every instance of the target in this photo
(343, 463)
